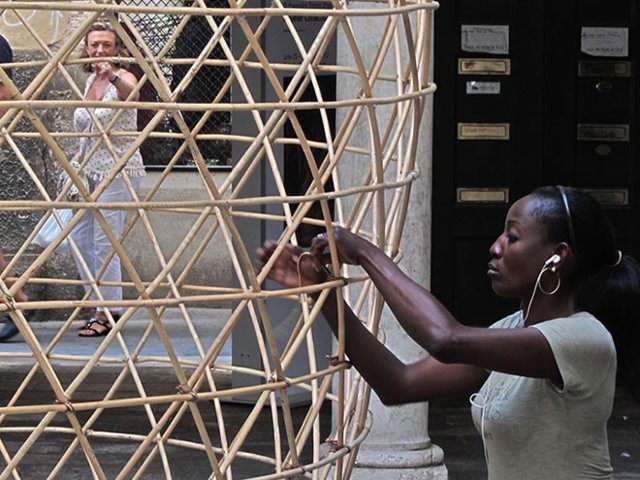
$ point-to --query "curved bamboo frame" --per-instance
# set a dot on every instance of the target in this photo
(379, 117)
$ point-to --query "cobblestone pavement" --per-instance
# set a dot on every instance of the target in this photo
(449, 426)
(157, 378)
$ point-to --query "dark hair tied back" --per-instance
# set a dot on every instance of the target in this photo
(608, 281)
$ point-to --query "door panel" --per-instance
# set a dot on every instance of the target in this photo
(557, 107)
(481, 162)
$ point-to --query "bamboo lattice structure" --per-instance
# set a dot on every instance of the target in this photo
(368, 156)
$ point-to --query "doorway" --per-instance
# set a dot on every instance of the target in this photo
(529, 93)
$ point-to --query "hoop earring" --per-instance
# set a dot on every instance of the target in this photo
(619, 252)
(556, 288)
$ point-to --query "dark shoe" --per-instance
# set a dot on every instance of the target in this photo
(9, 330)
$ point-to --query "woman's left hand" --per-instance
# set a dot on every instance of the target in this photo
(349, 247)
(101, 68)
(293, 267)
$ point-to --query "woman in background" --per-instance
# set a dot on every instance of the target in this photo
(108, 82)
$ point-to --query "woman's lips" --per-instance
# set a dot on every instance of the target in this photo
(492, 270)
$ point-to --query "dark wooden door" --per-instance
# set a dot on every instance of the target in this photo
(529, 93)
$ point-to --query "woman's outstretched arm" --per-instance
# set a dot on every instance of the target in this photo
(521, 351)
(421, 315)
(394, 381)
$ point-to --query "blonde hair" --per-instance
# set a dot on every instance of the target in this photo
(104, 26)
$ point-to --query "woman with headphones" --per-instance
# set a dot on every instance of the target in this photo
(541, 380)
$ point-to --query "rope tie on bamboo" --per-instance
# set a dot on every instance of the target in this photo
(334, 445)
(185, 389)
(295, 467)
(67, 403)
(334, 361)
(277, 379)
(331, 276)
(6, 298)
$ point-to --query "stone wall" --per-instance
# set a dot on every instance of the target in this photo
(15, 226)
(170, 230)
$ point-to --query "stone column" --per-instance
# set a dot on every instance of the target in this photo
(398, 445)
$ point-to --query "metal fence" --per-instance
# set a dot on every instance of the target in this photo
(180, 50)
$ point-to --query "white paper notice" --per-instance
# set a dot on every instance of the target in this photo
(485, 38)
(605, 42)
(483, 88)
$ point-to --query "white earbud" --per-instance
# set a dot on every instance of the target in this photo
(552, 260)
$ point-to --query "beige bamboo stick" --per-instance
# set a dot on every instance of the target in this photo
(160, 399)
(186, 444)
(194, 336)
(6, 457)
(49, 373)
(220, 203)
(223, 107)
(103, 8)
(135, 437)
(311, 160)
(262, 127)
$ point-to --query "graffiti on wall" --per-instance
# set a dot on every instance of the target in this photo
(50, 25)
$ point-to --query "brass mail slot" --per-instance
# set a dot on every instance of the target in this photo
(603, 132)
(484, 66)
(614, 196)
(482, 195)
(483, 131)
(588, 68)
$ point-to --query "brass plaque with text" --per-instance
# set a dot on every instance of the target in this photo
(484, 66)
(603, 132)
(483, 131)
(612, 196)
(482, 195)
(590, 68)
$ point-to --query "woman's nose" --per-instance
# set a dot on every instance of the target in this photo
(495, 250)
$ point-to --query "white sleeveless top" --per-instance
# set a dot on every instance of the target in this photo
(103, 161)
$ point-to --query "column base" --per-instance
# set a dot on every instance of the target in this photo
(424, 464)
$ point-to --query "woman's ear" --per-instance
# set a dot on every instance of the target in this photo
(564, 253)
(552, 261)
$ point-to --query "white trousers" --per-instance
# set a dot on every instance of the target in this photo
(94, 244)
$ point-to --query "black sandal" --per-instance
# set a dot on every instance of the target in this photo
(100, 316)
(106, 328)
